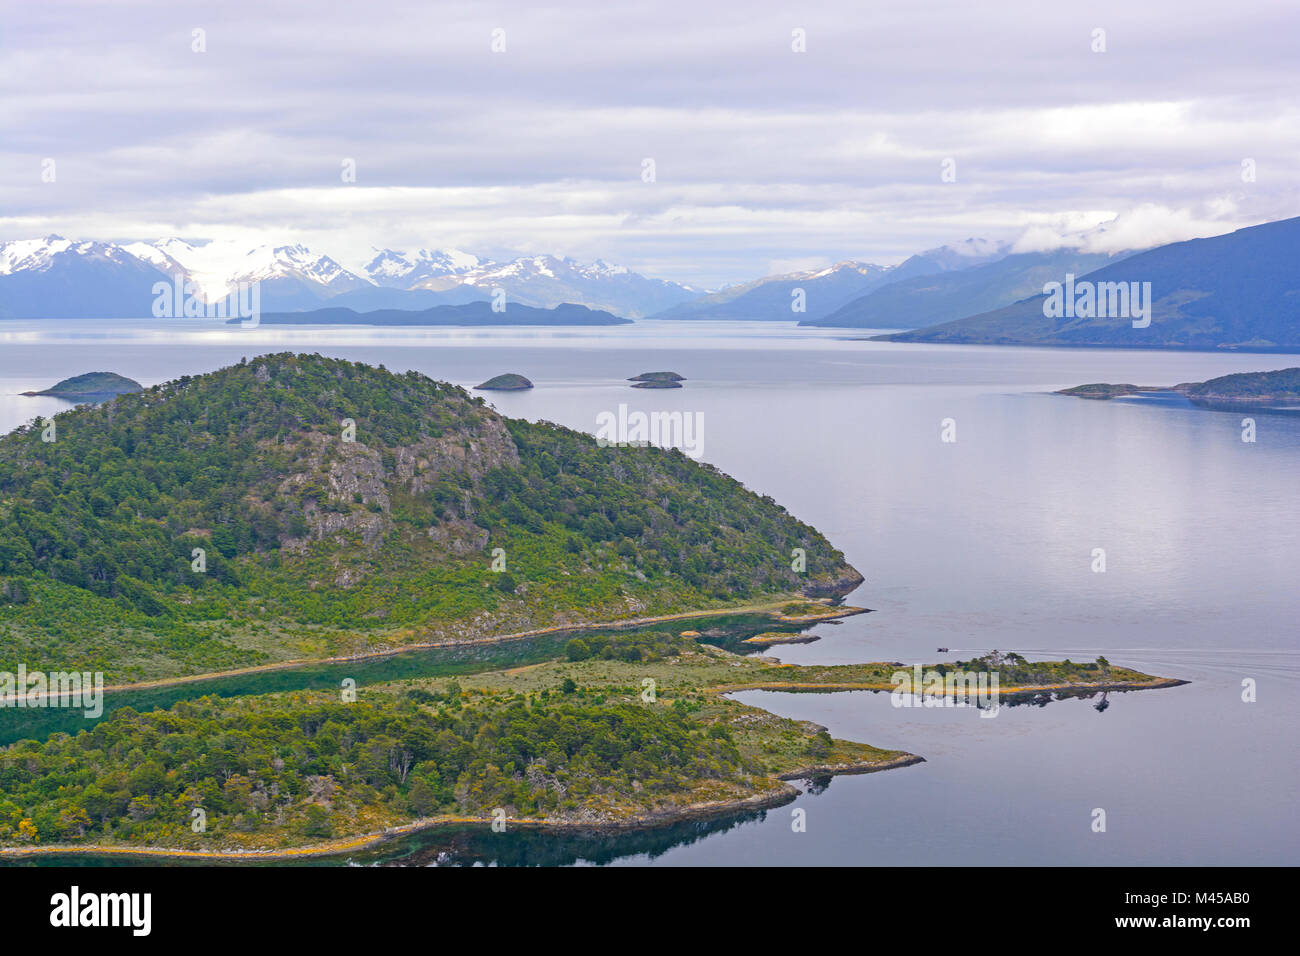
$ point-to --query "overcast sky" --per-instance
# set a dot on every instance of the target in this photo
(765, 159)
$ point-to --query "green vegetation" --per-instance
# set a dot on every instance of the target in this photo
(1013, 670)
(227, 520)
(309, 768)
(1282, 385)
(91, 387)
(595, 738)
(623, 646)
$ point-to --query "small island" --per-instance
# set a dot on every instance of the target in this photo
(1243, 389)
(509, 382)
(91, 387)
(1104, 391)
(657, 380)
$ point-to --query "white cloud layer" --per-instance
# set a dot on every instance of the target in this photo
(762, 156)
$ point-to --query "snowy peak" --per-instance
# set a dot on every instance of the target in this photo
(866, 269)
(293, 277)
(389, 267)
(218, 267)
(38, 255)
(543, 281)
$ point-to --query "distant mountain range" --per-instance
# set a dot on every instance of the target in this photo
(1240, 290)
(1235, 291)
(935, 297)
(466, 314)
(61, 278)
(827, 290)
(57, 278)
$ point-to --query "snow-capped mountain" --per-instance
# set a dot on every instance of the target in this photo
(541, 281)
(60, 278)
(291, 276)
(547, 281)
(26, 255)
(402, 270)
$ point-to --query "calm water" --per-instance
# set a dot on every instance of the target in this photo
(984, 543)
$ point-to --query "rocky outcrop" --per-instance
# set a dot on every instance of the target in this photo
(459, 537)
(343, 487)
(474, 453)
(836, 585)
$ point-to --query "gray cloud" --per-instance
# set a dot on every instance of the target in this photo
(763, 156)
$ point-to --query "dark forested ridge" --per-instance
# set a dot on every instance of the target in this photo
(1236, 291)
(335, 506)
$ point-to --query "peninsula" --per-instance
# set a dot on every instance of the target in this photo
(630, 729)
(1247, 389)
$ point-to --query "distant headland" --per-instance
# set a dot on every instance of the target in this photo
(1262, 389)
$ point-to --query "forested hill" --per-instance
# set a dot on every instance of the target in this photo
(338, 506)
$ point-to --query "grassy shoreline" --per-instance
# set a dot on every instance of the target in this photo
(772, 607)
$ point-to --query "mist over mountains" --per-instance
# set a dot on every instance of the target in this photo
(55, 277)
(1236, 291)
(1239, 290)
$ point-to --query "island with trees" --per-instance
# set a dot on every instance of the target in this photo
(507, 382)
(91, 387)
